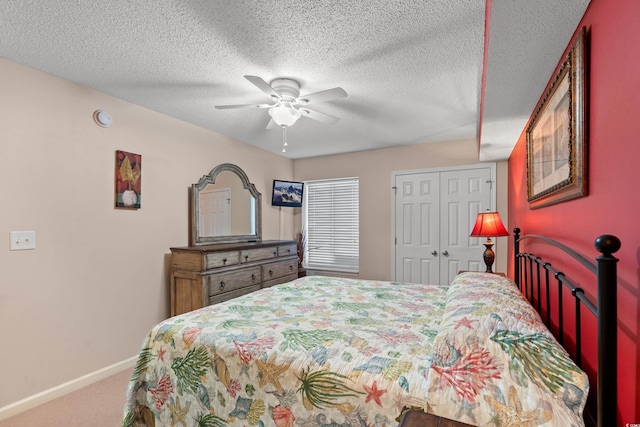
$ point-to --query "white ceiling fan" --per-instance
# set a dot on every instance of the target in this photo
(288, 105)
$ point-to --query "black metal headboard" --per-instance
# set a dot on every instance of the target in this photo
(532, 273)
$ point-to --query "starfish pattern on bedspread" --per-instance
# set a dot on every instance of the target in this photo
(269, 372)
(511, 413)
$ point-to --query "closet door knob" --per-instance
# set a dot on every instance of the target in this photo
(434, 253)
(445, 253)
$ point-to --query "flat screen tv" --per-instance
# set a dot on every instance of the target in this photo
(287, 193)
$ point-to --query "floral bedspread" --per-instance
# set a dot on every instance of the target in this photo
(323, 351)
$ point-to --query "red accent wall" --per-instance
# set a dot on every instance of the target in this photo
(613, 203)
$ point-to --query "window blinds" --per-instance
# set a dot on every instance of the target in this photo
(331, 221)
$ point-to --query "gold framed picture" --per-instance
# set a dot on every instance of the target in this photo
(557, 134)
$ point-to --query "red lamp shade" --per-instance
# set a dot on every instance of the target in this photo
(489, 224)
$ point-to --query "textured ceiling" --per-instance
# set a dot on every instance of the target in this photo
(412, 69)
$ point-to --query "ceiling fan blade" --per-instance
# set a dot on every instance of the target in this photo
(227, 107)
(322, 96)
(263, 86)
(321, 117)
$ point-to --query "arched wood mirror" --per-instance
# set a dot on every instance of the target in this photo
(225, 208)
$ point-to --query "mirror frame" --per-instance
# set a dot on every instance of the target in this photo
(194, 235)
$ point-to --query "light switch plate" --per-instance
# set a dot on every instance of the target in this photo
(22, 240)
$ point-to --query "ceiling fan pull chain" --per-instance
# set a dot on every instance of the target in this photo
(284, 138)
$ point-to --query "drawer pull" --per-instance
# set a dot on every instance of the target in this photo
(291, 267)
(289, 250)
(270, 272)
(246, 257)
(224, 261)
(275, 253)
(253, 277)
(222, 285)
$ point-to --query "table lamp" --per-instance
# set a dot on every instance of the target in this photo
(489, 224)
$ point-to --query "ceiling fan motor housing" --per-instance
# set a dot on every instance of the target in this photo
(286, 88)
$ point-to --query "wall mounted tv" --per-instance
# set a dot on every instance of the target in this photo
(287, 193)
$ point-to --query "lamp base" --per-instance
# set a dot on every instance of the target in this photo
(489, 256)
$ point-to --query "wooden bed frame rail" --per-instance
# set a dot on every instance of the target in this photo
(532, 272)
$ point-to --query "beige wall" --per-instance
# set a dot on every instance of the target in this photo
(97, 281)
(374, 168)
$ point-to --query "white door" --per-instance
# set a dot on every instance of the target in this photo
(215, 212)
(463, 194)
(417, 228)
(434, 213)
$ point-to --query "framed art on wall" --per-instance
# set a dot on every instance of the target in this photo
(557, 134)
(128, 180)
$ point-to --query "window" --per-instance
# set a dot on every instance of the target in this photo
(331, 221)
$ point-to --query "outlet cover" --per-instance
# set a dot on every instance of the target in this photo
(22, 240)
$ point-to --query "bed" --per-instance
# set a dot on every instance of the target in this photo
(325, 351)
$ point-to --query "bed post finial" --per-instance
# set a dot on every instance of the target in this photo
(607, 329)
(607, 244)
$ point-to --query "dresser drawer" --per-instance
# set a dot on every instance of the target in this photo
(273, 270)
(287, 250)
(250, 255)
(221, 259)
(227, 282)
(226, 296)
(283, 279)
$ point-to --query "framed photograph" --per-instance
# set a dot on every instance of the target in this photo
(287, 193)
(557, 134)
(128, 180)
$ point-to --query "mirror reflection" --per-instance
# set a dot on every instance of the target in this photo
(225, 207)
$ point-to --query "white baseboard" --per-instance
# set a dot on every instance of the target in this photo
(66, 388)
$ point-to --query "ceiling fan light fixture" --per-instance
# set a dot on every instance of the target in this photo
(284, 114)
(287, 105)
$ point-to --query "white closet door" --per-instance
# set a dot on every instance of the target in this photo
(417, 233)
(463, 194)
(434, 213)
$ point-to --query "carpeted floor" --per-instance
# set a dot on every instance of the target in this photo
(97, 405)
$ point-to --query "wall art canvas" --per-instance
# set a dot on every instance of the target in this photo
(128, 180)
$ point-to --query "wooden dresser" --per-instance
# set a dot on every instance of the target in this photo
(209, 274)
